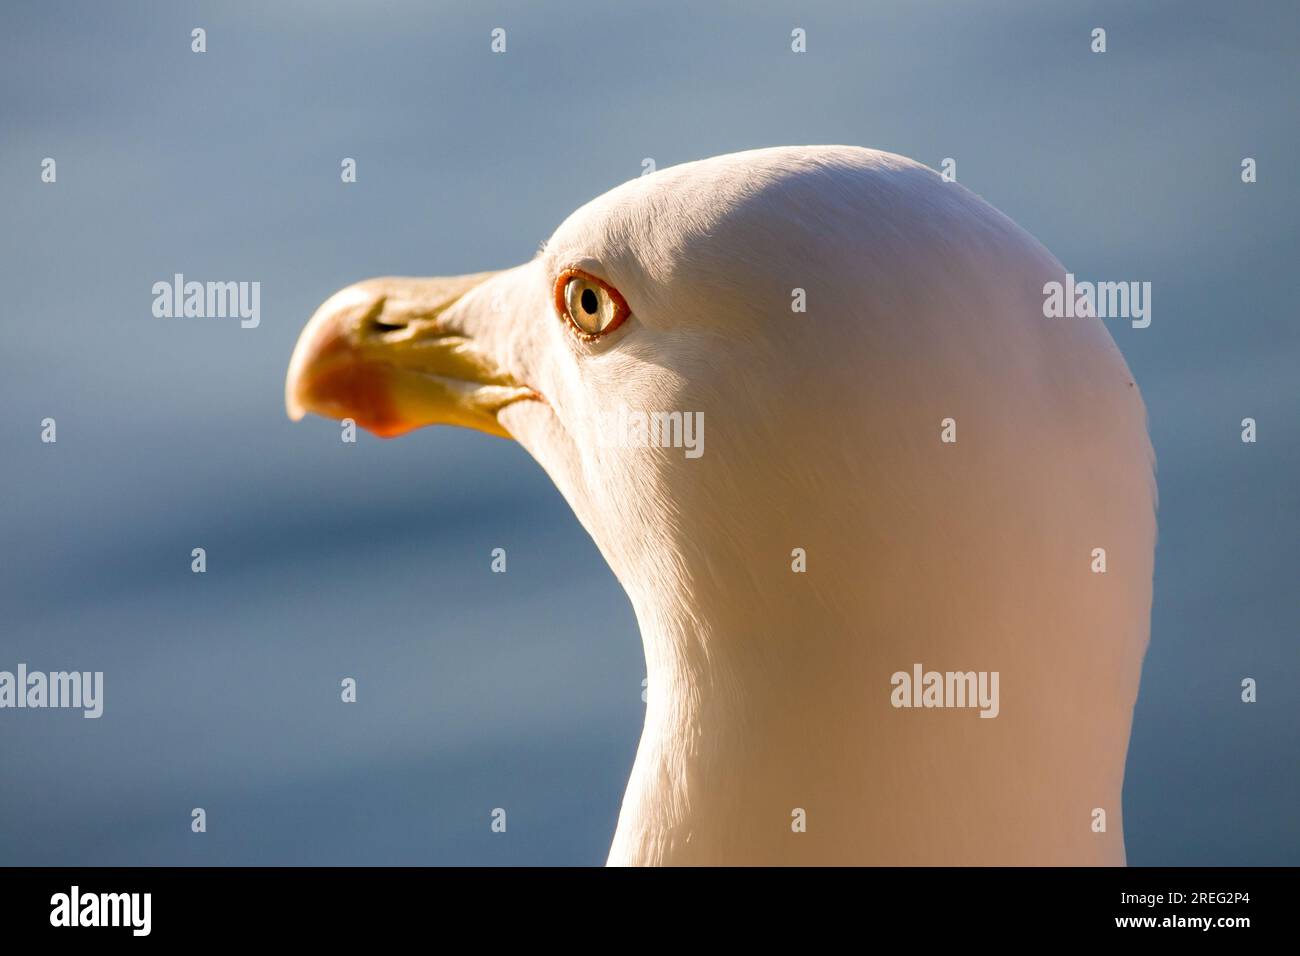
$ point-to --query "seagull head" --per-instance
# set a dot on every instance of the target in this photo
(664, 336)
(806, 402)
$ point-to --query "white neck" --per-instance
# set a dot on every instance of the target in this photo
(769, 691)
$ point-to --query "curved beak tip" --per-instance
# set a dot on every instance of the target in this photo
(294, 405)
(346, 364)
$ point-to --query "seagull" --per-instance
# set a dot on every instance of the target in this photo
(909, 469)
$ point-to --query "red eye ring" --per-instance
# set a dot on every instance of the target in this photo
(621, 308)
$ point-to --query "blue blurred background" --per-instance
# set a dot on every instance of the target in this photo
(326, 560)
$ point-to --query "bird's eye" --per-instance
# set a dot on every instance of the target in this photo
(591, 306)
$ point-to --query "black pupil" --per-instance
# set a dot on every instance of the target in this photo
(589, 302)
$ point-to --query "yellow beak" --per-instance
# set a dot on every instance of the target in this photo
(385, 353)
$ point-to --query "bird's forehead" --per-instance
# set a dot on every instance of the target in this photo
(760, 195)
(648, 222)
(739, 229)
(690, 227)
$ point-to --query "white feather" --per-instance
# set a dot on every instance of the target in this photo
(770, 690)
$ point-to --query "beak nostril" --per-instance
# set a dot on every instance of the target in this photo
(373, 323)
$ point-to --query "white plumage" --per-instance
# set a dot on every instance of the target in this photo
(769, 690)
